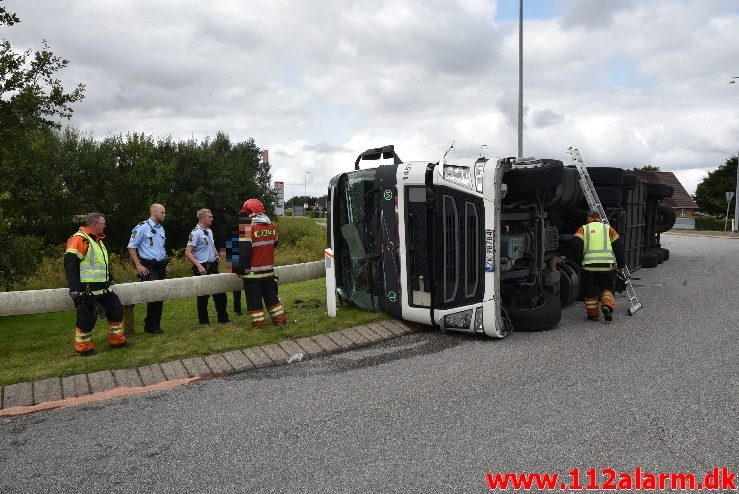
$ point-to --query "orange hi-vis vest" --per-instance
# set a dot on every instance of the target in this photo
(262, 237)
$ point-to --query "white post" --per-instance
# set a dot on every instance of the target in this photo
(330, 282)
(520, 80)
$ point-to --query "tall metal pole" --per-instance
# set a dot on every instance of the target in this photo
(736, 194)
(520, 80)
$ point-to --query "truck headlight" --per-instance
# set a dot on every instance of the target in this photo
(459, 320)
(478, 320)
(458, 174)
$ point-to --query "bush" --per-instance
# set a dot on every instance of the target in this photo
(711, 223)
(301, 240)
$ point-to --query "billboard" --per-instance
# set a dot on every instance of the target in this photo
(280, 194)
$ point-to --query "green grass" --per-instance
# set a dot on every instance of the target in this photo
(38, 346)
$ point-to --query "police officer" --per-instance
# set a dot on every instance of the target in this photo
(89, 279)
(148, 254)
(256, 257)
(201, 252)
(594, 246)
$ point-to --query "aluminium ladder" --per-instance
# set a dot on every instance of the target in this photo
(591, 196)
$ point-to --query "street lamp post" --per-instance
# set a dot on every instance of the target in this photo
(483, 146)
(736, 206)
(520, 80)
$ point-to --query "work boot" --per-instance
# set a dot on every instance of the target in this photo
(607, 313)
(153, 330)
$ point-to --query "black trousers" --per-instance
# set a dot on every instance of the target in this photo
(258, 289)
(87, 315)
(237, 302)
(594, 282)
(219, 299)
(157, 271)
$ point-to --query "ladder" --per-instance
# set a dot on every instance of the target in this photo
(591, 196)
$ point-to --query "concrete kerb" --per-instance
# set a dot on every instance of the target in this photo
(27, 397)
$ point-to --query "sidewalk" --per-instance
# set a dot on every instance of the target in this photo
(16, 399)
(702, 233)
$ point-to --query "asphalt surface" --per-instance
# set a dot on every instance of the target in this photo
(429, 412)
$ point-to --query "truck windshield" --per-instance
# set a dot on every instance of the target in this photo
(356, 257)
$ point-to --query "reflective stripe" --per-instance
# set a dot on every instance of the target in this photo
(262, 242)
(259, 269)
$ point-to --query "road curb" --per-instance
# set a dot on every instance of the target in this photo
(27, 397)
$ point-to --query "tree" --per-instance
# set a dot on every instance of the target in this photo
(32, 100)
(710, 195)
(646, 168)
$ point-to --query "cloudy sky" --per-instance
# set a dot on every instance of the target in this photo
(628, 82)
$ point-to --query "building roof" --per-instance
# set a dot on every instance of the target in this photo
(680, 197)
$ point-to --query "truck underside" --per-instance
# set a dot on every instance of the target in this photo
(473, 245)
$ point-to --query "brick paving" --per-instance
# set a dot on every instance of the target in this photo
(55, 388)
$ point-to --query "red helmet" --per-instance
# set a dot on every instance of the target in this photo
(252, 207)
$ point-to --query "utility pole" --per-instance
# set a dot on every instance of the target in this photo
(520, 79)
(736, 194)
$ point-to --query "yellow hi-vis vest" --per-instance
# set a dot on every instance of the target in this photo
(94, 267)
(597, 245)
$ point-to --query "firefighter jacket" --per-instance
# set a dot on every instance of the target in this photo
(86, 263)
(595, 245)
(257, 243)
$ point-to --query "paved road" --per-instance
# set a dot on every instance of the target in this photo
(429, 412)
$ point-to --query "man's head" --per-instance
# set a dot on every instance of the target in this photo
(593, 216)
(252, 207)
(157, 213)
(205, 217)
(95, 222)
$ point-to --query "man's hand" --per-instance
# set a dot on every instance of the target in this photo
(201, 269)
(141, 270)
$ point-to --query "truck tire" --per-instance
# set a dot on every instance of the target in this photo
(660, 255)
(542, 318)
(629, 181)
(665, 218)
(531, 178)
(666, 253)
(610, 196)
(606, 175)
(649, 260)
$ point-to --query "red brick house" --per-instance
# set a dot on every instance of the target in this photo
(681, 202)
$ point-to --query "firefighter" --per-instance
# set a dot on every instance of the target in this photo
(256, 253)
(89, 279)
(149, 256)
(202, 254)
(594, 245)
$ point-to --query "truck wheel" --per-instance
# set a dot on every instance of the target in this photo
(529, 178)
(542, 318)
(666, 252)
(665, 218)
(660, 255)
(629, 181)
(610, 196)
(649, 260)
(606, 175)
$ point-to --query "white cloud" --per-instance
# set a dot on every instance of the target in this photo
(628, 83)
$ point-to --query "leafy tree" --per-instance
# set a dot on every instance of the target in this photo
(32, 100)
(646, 168)
(710, 195)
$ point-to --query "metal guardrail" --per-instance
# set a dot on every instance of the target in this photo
(57, 299)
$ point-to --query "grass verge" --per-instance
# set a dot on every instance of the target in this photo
(38, 346)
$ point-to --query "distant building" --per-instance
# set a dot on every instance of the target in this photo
(681, 202)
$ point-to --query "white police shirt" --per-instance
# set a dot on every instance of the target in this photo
(148, 239)
(203, 245)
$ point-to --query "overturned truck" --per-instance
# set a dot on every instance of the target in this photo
(478, 245)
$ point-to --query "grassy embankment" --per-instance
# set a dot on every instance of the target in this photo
(39, 346)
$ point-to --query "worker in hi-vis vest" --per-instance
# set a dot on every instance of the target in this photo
(89, 279)
(594, 245)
